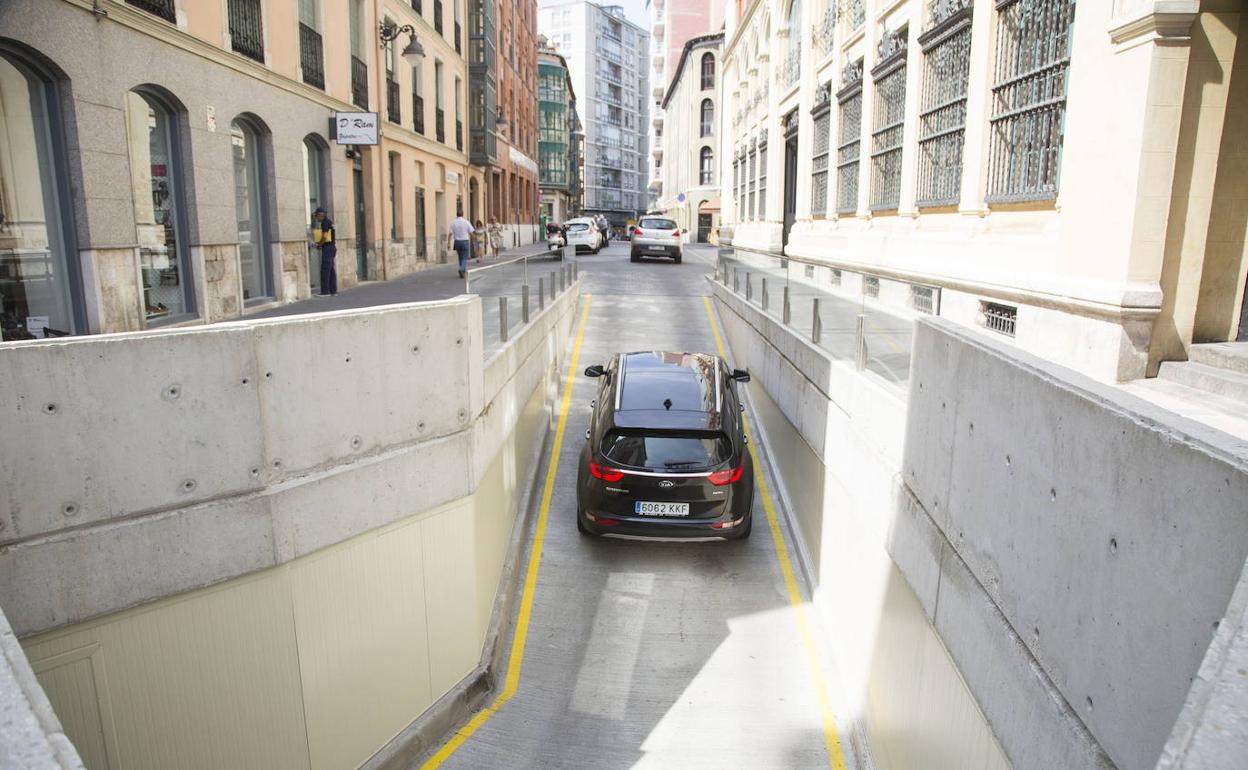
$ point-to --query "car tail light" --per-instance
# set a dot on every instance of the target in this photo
(727, 524)
(676, 233)
(602, 520)
(720, 478)
(606, 474)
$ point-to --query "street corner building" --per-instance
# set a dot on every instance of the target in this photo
(1067, 177)
(160, 160)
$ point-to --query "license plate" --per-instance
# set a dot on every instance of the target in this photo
(656, 248)
(661, 509)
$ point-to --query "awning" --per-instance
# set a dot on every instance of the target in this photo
(711, 205)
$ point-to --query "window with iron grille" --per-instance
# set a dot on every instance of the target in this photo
(834, 276)
(942, 117)
(437, 16)
(999, 318)
(1029, 98)
(311, 56)
(888, 121)
(923, 299)
(246, 30)
(871, 285)
(359, 83)
(162, 8)
(761, 214)
(753, 181)
(819, 163)
(392, 99)
(706, 166)
(849, 148)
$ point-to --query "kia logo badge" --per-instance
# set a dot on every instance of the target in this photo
(667, 484)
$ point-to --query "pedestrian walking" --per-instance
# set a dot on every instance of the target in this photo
(478, 241)
(460, 239)
(324, 236)
(496, 236)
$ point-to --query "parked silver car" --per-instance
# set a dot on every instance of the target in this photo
(656, 237)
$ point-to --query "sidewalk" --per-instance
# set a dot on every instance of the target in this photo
(436, 282)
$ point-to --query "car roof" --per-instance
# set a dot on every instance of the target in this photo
(669, 389)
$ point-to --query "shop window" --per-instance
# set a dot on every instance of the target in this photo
(158, 213)
(251, 209)
(39, 292)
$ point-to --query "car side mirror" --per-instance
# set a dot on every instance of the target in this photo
(594, 371)
(740, 375)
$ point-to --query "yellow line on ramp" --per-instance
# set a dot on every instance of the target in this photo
(515, 661)
(831, 739)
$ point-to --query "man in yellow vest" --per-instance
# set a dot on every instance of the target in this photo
(323, 235)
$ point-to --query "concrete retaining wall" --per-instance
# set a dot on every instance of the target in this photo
(1108, 534)
(335, 585)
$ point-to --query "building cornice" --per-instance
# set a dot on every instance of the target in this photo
(1166, 21)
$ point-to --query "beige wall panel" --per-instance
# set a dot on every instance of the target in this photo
(207, 680)
(71, 682)
(359, 612)
(451, 593)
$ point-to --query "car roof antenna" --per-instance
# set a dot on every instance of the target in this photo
(667, 403)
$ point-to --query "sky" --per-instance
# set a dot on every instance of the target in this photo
(636, 10)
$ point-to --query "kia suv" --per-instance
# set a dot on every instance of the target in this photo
(665, 454)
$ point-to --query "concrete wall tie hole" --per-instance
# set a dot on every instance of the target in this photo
(1035, 634)
(415, 349)
(420, 425)
(356, 442)
(245, 380)
(1113, 545)
(348, 358)
(1053, 494)
(255, 473)
(268, 375)
(459, 340)
(50, 408)
(188, 485)
(1088, 700)
(172, 392)
(1008, 460)
(277, 464)
(69, 509)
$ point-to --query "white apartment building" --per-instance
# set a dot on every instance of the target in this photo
(607, 57)
(1068, 175)
(690, 169)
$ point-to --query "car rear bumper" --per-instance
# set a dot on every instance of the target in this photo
(603, 523)
(656, 249)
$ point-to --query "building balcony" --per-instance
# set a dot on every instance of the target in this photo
(657, 120)
(657, 151)
(656, 186)
(657, 91)
(656, 28)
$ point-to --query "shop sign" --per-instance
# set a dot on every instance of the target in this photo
(354, 127)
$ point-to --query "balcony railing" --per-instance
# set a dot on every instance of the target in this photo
(459, 135)
(439, 125)
(791, 67)
(392, 101)
(418, 111)
(437, 16)
(311, 56)
(162, 8)
(826, 31)
(359, 83)
(246, 33)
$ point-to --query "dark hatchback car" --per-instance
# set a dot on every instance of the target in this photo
(666, 451)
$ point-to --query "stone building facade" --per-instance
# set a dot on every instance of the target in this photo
(160, 159)
(1064, 174)
(690, 149)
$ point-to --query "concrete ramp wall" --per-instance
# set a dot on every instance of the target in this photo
(287, 536)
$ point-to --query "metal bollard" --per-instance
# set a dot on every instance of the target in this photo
(749, 287)
(552, 285)
(861, 355)
(763, 295)
(788, 311)
(816, 325)
(524, 302)
(541, 294)
(736, 280)
(502, 318)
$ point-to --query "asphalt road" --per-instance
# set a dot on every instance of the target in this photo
(646, 653)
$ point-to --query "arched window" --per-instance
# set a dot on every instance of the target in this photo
(708, 71)
(152, 122)
(251, 207)
(315, 193)
(708, 117)
(707, 165)
(39, 286)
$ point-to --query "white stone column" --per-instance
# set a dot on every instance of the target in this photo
(870, 45)
(910, 130)
(978, 108)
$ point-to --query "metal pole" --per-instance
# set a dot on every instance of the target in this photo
(749, 287)
(541, 294)
(788, 311)
(816, 326)
(552, 285)
(524, 302)
(502, 318)
(763, 296)
(736, 280)
(862, 342)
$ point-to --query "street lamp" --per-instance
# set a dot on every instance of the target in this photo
(414, 51)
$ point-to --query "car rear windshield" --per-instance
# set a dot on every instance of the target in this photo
(666, 451)
(657, 224)
(577, 227)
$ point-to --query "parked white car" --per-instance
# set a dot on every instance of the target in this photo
(583, 235)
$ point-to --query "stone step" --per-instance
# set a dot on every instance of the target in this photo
(1211, 379)
(1223, 355)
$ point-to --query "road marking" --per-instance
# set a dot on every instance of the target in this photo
(831, 739)
(516, 658)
